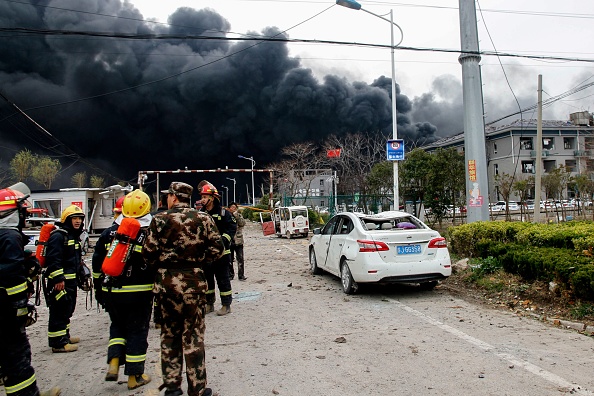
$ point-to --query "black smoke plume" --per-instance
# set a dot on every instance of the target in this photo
(252, 102)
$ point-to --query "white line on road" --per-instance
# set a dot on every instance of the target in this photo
(534, 369)
(295, 251)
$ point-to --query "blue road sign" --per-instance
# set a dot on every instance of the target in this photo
(395, 149)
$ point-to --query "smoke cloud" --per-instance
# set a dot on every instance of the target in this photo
(241, 99)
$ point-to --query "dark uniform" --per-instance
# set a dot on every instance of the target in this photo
(101, 248)
(62, 259)
(180, 241)
(128, 299)
(15, 350)
(220, 269)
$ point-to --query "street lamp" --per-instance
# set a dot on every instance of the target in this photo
(229, 178)
(226, 195)
(253, 164)
(356, 6)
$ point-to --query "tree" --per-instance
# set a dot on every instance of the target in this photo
(22, 165)
(46, 170)
(380, 180)
(505, 183)
(97, 181)
(522, 187)
(446, 183)
(584, 187)
(79, 179)
(414, 176)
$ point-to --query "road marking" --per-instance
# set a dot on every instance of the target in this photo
(532, 368)
(295, 251)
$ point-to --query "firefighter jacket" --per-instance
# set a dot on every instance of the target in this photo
(225, 223)
(63, 256)
(101, 248)
(14, 285)
(182, 237)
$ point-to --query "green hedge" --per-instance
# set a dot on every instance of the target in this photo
(546, 252)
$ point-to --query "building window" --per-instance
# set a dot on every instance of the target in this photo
(549, 165)
(496, 169)
(495, 148)
(322, 182)
(568, 143)
(571, 165)
(548, 143)
(526, 143)
(527, 166)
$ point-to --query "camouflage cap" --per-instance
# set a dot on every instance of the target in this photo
(180, 189)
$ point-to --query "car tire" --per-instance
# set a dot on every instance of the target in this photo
(313, 263)
(348, 284)
(428, 285)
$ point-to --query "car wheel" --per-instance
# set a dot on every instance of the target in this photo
(313, 263)
(348, 284)
(289, 235)
(428, 285)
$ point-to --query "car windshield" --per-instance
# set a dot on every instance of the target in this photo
(400, 223)
(298, 212)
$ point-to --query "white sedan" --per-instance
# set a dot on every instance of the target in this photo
(389, 247)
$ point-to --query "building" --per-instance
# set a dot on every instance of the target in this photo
(511, 149)
(309, 187)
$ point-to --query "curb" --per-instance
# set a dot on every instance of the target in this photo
(580, 327)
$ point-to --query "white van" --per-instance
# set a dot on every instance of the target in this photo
(291, 221)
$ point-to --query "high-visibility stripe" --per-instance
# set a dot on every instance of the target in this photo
(60, 295)
(227, 251)
(16, 289)
(58, 333)
(57, 272)
(226, 236)
(138, 248)
(227, 293)
(96, 275)
(117, 341)
(70, 276)
(129, 288)
(135, 358)
(210, 291)
(71, 242)
(20, 386)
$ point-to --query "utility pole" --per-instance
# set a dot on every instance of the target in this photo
(538, 174)
(477, 183)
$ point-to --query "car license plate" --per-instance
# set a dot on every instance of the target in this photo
(408, 249)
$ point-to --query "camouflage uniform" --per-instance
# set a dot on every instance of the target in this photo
(179, 242)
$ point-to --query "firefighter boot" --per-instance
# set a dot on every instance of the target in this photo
(113, 370)
(55, 391)
(65, 348)
(209, 308)
(74, 340)
(136, 381)
(225, 309)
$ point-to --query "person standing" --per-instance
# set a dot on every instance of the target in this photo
(18, 270)
(179, 243)
(237, 244)
(210, 200)
(62, 258)
(162, 206)
(128, 296)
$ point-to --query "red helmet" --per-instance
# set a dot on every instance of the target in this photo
(209, 189)
(118, 205)
(11, 200)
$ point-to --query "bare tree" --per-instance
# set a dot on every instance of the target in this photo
(505, 183)
(523, 186)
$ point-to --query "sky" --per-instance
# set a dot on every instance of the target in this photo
(541, 28)
(128, 105)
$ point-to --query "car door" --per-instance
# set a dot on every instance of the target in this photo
(321, 248)
(337, 242)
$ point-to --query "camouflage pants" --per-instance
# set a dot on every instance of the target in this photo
(182, 301)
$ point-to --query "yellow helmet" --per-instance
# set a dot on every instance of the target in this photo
(71, 211)
(136, 204)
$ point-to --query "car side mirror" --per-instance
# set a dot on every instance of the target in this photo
(317, 231)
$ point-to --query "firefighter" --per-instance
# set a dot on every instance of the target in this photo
(62, 260)
(128, 297)
(18, 270)
(180, 241)
(101, 248)
(210, 200)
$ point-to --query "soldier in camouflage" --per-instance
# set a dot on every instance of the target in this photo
(179, 242)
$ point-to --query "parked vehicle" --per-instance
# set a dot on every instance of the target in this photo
(499, 206)
(389, 247)
(291, 221)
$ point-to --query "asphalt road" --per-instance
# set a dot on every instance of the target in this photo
(292, 334)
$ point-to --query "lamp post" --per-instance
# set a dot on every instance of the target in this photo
(226, 195)
(229, 178)
(356, 6)
(253, 164)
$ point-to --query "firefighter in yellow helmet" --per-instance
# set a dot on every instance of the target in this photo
(17, 271)
(62, 260)
(128, 297)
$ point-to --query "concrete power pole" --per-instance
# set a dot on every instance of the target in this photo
(477, 183)
(538, 174)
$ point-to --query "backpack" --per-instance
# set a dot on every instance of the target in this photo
(44, 235)
(121, 247)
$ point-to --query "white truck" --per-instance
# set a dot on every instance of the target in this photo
(289, 221)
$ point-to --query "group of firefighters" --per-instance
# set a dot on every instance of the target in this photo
(167, 260)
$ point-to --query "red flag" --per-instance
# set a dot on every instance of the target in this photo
(333, 153)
